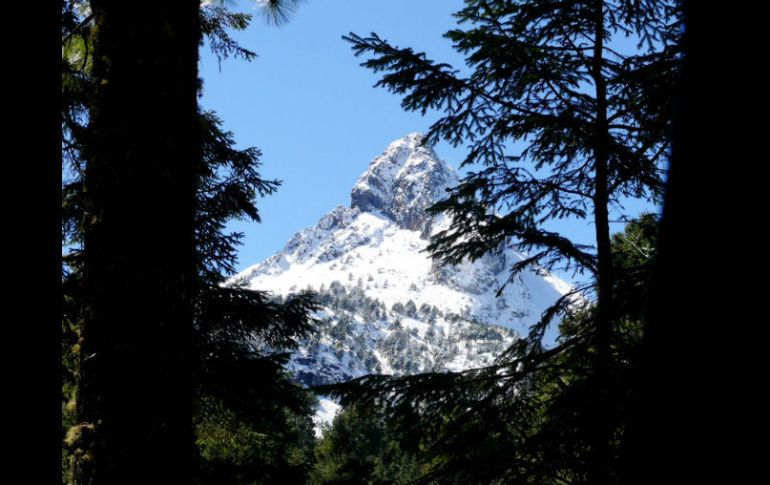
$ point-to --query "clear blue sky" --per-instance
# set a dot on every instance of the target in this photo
(312, 110)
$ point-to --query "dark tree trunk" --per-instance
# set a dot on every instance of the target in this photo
(600, 422)
(667, 425)
(134, 395)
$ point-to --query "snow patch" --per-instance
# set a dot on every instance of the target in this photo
(327, 410)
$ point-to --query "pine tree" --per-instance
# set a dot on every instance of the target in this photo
(242, 337)
(561, 125)
(137, 273)
(360, 447)
(410, 309)
(232, 376)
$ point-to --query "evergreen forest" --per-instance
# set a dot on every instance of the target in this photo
(175, 372)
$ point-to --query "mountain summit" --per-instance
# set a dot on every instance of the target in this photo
(403, 182)
(387, 306)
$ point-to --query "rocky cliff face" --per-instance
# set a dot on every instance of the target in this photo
(387, 307)
(403, 182)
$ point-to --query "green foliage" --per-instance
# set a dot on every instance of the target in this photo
(276, 448)
(360, 448)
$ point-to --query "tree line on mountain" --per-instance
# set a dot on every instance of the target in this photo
(168, 376)
(345, 330)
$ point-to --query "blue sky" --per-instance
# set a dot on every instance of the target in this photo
(311, 109)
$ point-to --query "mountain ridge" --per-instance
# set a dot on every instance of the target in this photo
(387, 307)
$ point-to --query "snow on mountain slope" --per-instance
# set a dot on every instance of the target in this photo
(386, 306)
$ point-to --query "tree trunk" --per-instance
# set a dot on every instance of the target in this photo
(600, 422)
(134, 386)
(667, 433)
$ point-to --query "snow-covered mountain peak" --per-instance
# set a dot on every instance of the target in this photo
(403, 182)
(412, 140)
(386, 306)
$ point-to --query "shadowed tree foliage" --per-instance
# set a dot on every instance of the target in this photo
(136, 265)
(237, 412)
(562, 122)
(252, 423)
(670, 396)
(361, 448)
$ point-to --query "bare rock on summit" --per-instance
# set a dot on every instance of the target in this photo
(403, 182)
